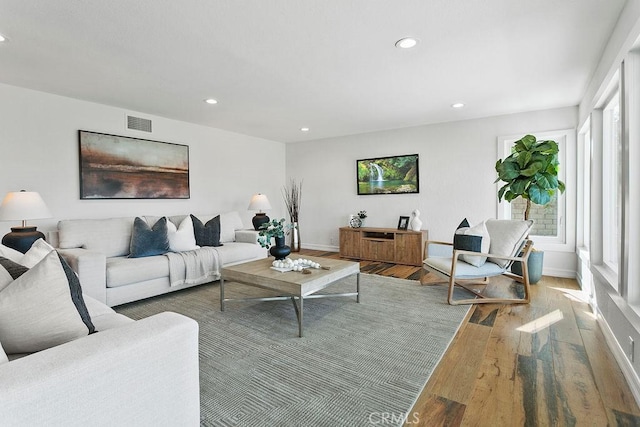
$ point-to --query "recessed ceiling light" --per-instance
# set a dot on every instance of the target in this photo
(2, 38)
(406, 43)
(210, 101)
(457, 105)
(304, 129)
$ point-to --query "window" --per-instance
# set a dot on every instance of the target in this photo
(611, 179)
(584, 187)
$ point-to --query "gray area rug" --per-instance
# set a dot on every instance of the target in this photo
(356, 362)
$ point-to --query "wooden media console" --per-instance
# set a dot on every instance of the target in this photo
(383, 244)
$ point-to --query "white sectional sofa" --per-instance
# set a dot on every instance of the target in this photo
(67, 359)
(97, 249)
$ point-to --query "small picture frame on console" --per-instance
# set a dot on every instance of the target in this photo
(403, 223)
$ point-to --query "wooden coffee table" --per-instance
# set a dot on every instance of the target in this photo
(293, 285)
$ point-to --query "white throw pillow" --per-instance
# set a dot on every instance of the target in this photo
(181, 238)
(43, 308)
(507, 236)
(3, 355)
(481, 231)
(10, 253)
(36, 253)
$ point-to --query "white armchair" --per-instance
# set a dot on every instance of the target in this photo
(508, 243)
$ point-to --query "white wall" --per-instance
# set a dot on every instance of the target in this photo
(39, 145)
(456, 177)
(618, 311)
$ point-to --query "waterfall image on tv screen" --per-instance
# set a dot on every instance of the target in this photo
(388, 175)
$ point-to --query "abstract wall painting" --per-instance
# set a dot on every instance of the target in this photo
(120, 167)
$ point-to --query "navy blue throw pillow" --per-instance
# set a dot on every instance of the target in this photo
(466, 242)
(207, 234)
(149, 241)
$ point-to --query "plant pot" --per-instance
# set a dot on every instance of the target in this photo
(534, 264)
(280, 250)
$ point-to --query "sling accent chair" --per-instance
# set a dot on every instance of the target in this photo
(496, 245)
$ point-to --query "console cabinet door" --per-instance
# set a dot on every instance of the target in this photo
(377, 250)
(409, 249)
(349, 243)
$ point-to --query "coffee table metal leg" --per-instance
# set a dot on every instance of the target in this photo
(298, 312)
(301, 299)
(358, 287)
(221, 294)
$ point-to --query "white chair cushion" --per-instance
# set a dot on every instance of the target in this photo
(464, 270)
(506, 238)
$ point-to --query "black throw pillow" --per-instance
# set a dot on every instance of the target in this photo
(149, 241)
(207, 234)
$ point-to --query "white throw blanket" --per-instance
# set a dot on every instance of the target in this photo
(193, 267)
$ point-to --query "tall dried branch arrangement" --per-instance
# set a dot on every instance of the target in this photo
(292, 196)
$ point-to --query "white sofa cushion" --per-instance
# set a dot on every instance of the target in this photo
(43, 308)
(234, 252)
(122, 271)
(111, 237)
(103, 317)
(229, 223)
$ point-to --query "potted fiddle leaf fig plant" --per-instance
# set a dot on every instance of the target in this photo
(530, 172)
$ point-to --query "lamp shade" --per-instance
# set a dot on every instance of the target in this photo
(23, 205)
(259, 202)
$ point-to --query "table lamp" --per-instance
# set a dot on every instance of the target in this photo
(23, 205)
(259, 202)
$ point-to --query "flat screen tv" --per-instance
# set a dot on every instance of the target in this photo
(388, 175)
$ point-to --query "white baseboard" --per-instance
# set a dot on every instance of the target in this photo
(327, 248)
(559, 272)
(625, 365)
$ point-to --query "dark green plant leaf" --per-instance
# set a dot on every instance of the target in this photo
(532, 169)
(546, 147)
(507, 170)
(523, 159)
(519, 186)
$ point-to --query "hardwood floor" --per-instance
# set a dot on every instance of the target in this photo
(541, 364)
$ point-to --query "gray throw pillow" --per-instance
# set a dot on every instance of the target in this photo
(207, 234)
(149, 241)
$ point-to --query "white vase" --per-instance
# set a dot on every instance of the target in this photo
(416, 222)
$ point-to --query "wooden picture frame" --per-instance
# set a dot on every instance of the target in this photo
(403, 223)
(122, 167)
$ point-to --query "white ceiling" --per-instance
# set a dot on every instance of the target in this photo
(330, 65)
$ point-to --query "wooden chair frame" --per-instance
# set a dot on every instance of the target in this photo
(482, 299)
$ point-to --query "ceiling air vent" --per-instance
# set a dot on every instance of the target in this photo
(137, 123)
